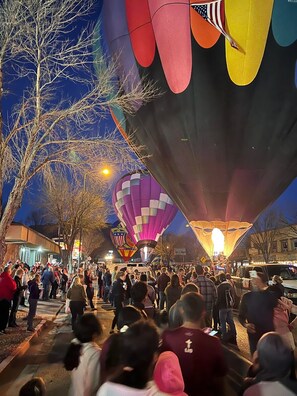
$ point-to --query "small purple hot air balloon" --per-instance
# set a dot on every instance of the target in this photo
(145, 208)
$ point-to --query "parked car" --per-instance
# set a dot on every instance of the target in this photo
(288, 272)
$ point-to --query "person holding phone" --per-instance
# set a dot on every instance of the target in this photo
(256, 309)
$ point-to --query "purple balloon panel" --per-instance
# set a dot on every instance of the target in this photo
(117, 35)
(143, 206)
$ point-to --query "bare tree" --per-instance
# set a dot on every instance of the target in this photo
(91, 240)
(77, 211)
(266, 231)
(47, 72)
(165, 247)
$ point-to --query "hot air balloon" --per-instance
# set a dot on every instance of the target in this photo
(122, 242)
(144, 208)
(222, 139)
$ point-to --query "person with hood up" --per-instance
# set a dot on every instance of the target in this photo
(168, 376)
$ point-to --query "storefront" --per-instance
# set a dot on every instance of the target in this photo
(29, 246)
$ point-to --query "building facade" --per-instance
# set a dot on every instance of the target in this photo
(28, 245)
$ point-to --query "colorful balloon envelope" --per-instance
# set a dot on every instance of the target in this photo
(222, 139)
(122, 242)
(144, 208)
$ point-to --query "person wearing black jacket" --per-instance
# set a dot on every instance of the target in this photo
(119, 294)
(33, 286)
(106, 285)
(225, 304)
(16, 298)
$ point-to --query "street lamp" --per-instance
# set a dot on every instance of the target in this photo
(106, 172)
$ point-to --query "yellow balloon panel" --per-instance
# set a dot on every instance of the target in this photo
(247, 22)
(232, 231)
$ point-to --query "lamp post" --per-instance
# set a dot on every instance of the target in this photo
(106, 172)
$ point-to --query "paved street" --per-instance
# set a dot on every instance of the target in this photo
(44, 357)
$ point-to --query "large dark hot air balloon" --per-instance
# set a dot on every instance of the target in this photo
(122, 242)
(145, 208)
(222, 139)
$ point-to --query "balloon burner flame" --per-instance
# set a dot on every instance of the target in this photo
(218, 240)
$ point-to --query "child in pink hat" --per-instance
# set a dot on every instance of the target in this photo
(168, 376)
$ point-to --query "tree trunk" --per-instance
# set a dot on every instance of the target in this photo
(3, 250)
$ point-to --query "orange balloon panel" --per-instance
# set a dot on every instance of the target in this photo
(204, 33)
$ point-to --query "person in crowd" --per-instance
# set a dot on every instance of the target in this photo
(161, 320)
(90, 289)
(107, 282)
(127, 286)
(16, 297)
(24, 293)
(78, 300)
(189, 274)
(7, 290)
(133, 280)
(168, 376)
(200, 355)
(55, 284)
(282, 314)
(47, 280)
(118, 293)
(256, 310)
(208, 291)
(138, 296)
(109, 358)
(114, 274)
(149, 301)
(83, 357)
(99, 275)
(33, 286)
(277, 286)
(225, 304)
(137, 354)
(162, 283)
(173, 291)
(64, 282)
(151, 280)
(34, 387)
(230, 280)
(272, 363)
(175, 317)
(181, 276)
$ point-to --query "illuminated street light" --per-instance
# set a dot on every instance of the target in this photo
(106, 171)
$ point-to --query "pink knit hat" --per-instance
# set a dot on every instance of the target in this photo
(168, 376)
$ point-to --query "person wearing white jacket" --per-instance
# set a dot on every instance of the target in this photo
(83, 357)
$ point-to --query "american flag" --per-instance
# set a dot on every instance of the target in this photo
(211, 12)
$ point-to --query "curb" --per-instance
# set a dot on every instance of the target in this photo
(25, 345)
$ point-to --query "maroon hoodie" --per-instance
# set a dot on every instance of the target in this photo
(7, 286)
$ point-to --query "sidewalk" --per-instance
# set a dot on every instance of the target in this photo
(17, 340)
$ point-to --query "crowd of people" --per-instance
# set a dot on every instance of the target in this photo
(168, 330)
(163, 345)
